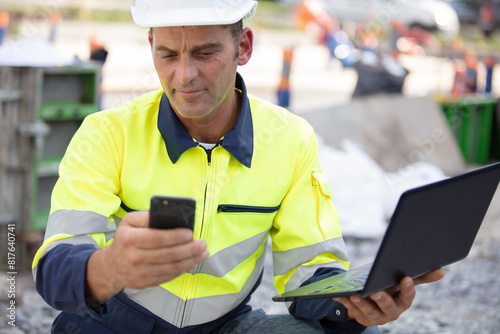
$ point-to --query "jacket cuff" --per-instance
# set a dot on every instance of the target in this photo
(60, 278)
(316, 311)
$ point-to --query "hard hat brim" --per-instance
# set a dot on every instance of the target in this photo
(192, 17)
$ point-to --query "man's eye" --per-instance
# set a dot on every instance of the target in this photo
(205, 54)
(168, 56)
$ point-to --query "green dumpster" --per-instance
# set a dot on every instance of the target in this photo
(495, 136)
(471, 121)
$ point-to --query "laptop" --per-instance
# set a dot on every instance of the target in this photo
(432, 226)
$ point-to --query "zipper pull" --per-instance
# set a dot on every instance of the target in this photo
(209, 156)
(209, 151)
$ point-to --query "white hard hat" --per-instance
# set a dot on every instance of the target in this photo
(169, 13)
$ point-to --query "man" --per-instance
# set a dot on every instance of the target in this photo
(253, 170)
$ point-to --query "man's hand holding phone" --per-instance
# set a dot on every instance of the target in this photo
(142, 257)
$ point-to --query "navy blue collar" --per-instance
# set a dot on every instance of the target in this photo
(238, 141)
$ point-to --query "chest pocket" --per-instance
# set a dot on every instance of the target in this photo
(231, 208)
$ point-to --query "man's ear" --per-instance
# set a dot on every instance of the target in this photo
(150, 37)
(246, 46)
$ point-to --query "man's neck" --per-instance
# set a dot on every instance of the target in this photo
(212, 128)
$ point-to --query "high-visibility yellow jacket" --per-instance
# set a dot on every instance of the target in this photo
(262, 179)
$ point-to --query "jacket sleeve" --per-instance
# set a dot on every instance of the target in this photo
(80, 222)
(306, 233)
(307, 239)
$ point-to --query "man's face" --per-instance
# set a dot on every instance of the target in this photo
(197, 68)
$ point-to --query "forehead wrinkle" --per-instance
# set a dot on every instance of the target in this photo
(196, 48)
(185, 39)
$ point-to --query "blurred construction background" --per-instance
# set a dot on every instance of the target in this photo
(400, 92)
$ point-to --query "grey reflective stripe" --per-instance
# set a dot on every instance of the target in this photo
(156, 299)
(117, 220)
(78, 240)
(76, 222)
(284, 261)
(202, 310)
(195, 311)
(305, 272)
(224, 261)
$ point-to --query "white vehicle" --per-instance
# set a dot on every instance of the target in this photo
(432, 15)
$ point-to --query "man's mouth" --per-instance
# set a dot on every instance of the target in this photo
(189, 94)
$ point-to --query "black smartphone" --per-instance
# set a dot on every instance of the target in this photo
(168, 212)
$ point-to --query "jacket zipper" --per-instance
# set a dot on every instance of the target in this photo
(230, 208)
(197, 268)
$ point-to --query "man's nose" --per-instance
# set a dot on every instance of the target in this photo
(186, 70)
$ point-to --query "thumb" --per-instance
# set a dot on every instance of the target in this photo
(136, 219)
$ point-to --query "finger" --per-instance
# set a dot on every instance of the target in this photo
(342, 300)
(391, 308)
(359, 308)
(144, 269)
(158, 274)
(178, 268)
(156, 238)
(430, 277)
(352, 311)
(136, 219)
(128, 237)
(406, 295)
(363, 310)
(368, 309)
(192, 249)
(384, 301)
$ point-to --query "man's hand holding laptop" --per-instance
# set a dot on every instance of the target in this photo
(385, 306)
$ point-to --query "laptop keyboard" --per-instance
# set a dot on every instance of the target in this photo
(350, 284)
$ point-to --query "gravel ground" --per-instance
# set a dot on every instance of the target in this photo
(465, 301)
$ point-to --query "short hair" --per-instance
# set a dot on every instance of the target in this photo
(236, 29)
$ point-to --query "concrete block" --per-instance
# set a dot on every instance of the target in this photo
(394, 130)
